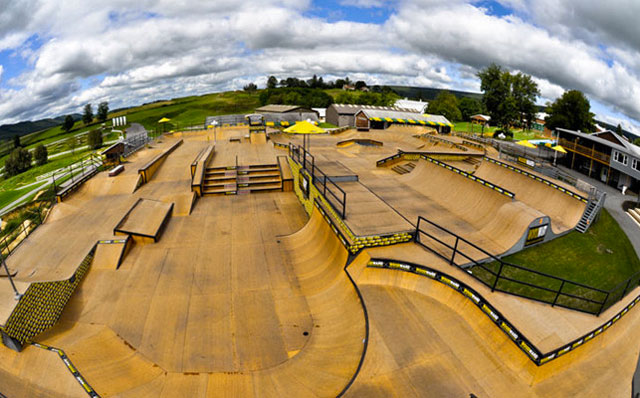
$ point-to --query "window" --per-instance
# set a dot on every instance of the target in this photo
(635, 164)
(620, 158)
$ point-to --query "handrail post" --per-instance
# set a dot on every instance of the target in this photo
(344, 207)
(625, 289)
(555, 300)
(455, 249)
(604, 303)
(17, 295)
(495, 283)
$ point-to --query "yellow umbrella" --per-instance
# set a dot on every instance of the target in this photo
(526, 144)
(164, 120)
(559, 148)
(304, 127)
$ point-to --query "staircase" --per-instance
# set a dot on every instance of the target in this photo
(404, 169)
(635, 214)
(474, 161)
(594, 205)
(242, 179)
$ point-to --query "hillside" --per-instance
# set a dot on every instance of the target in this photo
(8, 131)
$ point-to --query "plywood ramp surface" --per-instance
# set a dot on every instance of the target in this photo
(429, 341)
(473, 211)
(221, 306)
(547, 327)
(565, 211)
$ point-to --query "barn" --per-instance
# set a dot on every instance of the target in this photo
(366, 119)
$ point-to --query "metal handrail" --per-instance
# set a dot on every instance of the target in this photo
(499, 275)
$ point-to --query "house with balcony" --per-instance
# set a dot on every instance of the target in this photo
(604, 155)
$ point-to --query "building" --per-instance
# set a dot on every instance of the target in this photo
(322, 113)
(604, 156)
(274, 108)
(343, 114)
(482, 120)
(372, 118)
(415, 106)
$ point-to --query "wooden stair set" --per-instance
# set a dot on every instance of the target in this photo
(404, 169)
(235, 180)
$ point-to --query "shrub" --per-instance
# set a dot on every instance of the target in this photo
(41, 155)
(18, 161)
(507, 133)
(94, 139)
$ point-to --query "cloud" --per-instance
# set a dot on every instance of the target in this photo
(127, 53)
(1, 71)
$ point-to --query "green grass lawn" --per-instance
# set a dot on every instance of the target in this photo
(467, 127)
(602, 258)
(527, 135)
(327, 125)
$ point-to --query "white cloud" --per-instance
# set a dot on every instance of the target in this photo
(128, 53)
(1, 71)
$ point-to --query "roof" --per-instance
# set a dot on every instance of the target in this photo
(111, 148)
(393, 115)
(417, 106)
(278, 108)
(351, 109)
(620, 144)
(483, 117)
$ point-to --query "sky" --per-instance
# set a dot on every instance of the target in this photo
(58, 55)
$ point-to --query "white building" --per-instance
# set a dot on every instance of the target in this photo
(415, 106)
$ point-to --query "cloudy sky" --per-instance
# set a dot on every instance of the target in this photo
(57, 55)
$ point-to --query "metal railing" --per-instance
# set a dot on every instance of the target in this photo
(335, 195)
(514, 279)
(76, 172)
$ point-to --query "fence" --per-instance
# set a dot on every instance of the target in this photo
(514, 279)
(335, 195)
(134, 143)
(76, 173)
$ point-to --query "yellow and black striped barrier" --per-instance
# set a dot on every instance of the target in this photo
(521, 341)
(537, 178)
(74, 371)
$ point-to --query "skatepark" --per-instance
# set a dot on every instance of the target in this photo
(230, 263)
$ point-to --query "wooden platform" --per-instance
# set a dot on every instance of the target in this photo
(145, 220)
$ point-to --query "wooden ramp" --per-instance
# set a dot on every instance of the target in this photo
(426, 339)
(145, 220)
(565, 211)
(111, 252)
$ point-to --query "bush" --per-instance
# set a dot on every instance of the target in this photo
(41, 155)
(18, 161)
(94, 139)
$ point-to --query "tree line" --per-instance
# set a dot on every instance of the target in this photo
(21, 159)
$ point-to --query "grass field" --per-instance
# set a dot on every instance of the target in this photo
(602, 258)
(467, 127)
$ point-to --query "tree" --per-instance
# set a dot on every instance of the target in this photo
(87, 116)
(445, 104)
(469, 107)
(103, 111)
(507, 98)
(637, 141)
(571, 111)
(360, 84)
(68, 123)
(272, 82)
(18, 161)
(41, 155)
(16, 141)
(524, 92)
(619, 129)
(94, 139)
(72, 143)
(250, 87)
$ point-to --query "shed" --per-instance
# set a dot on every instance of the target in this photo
(112, 154)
